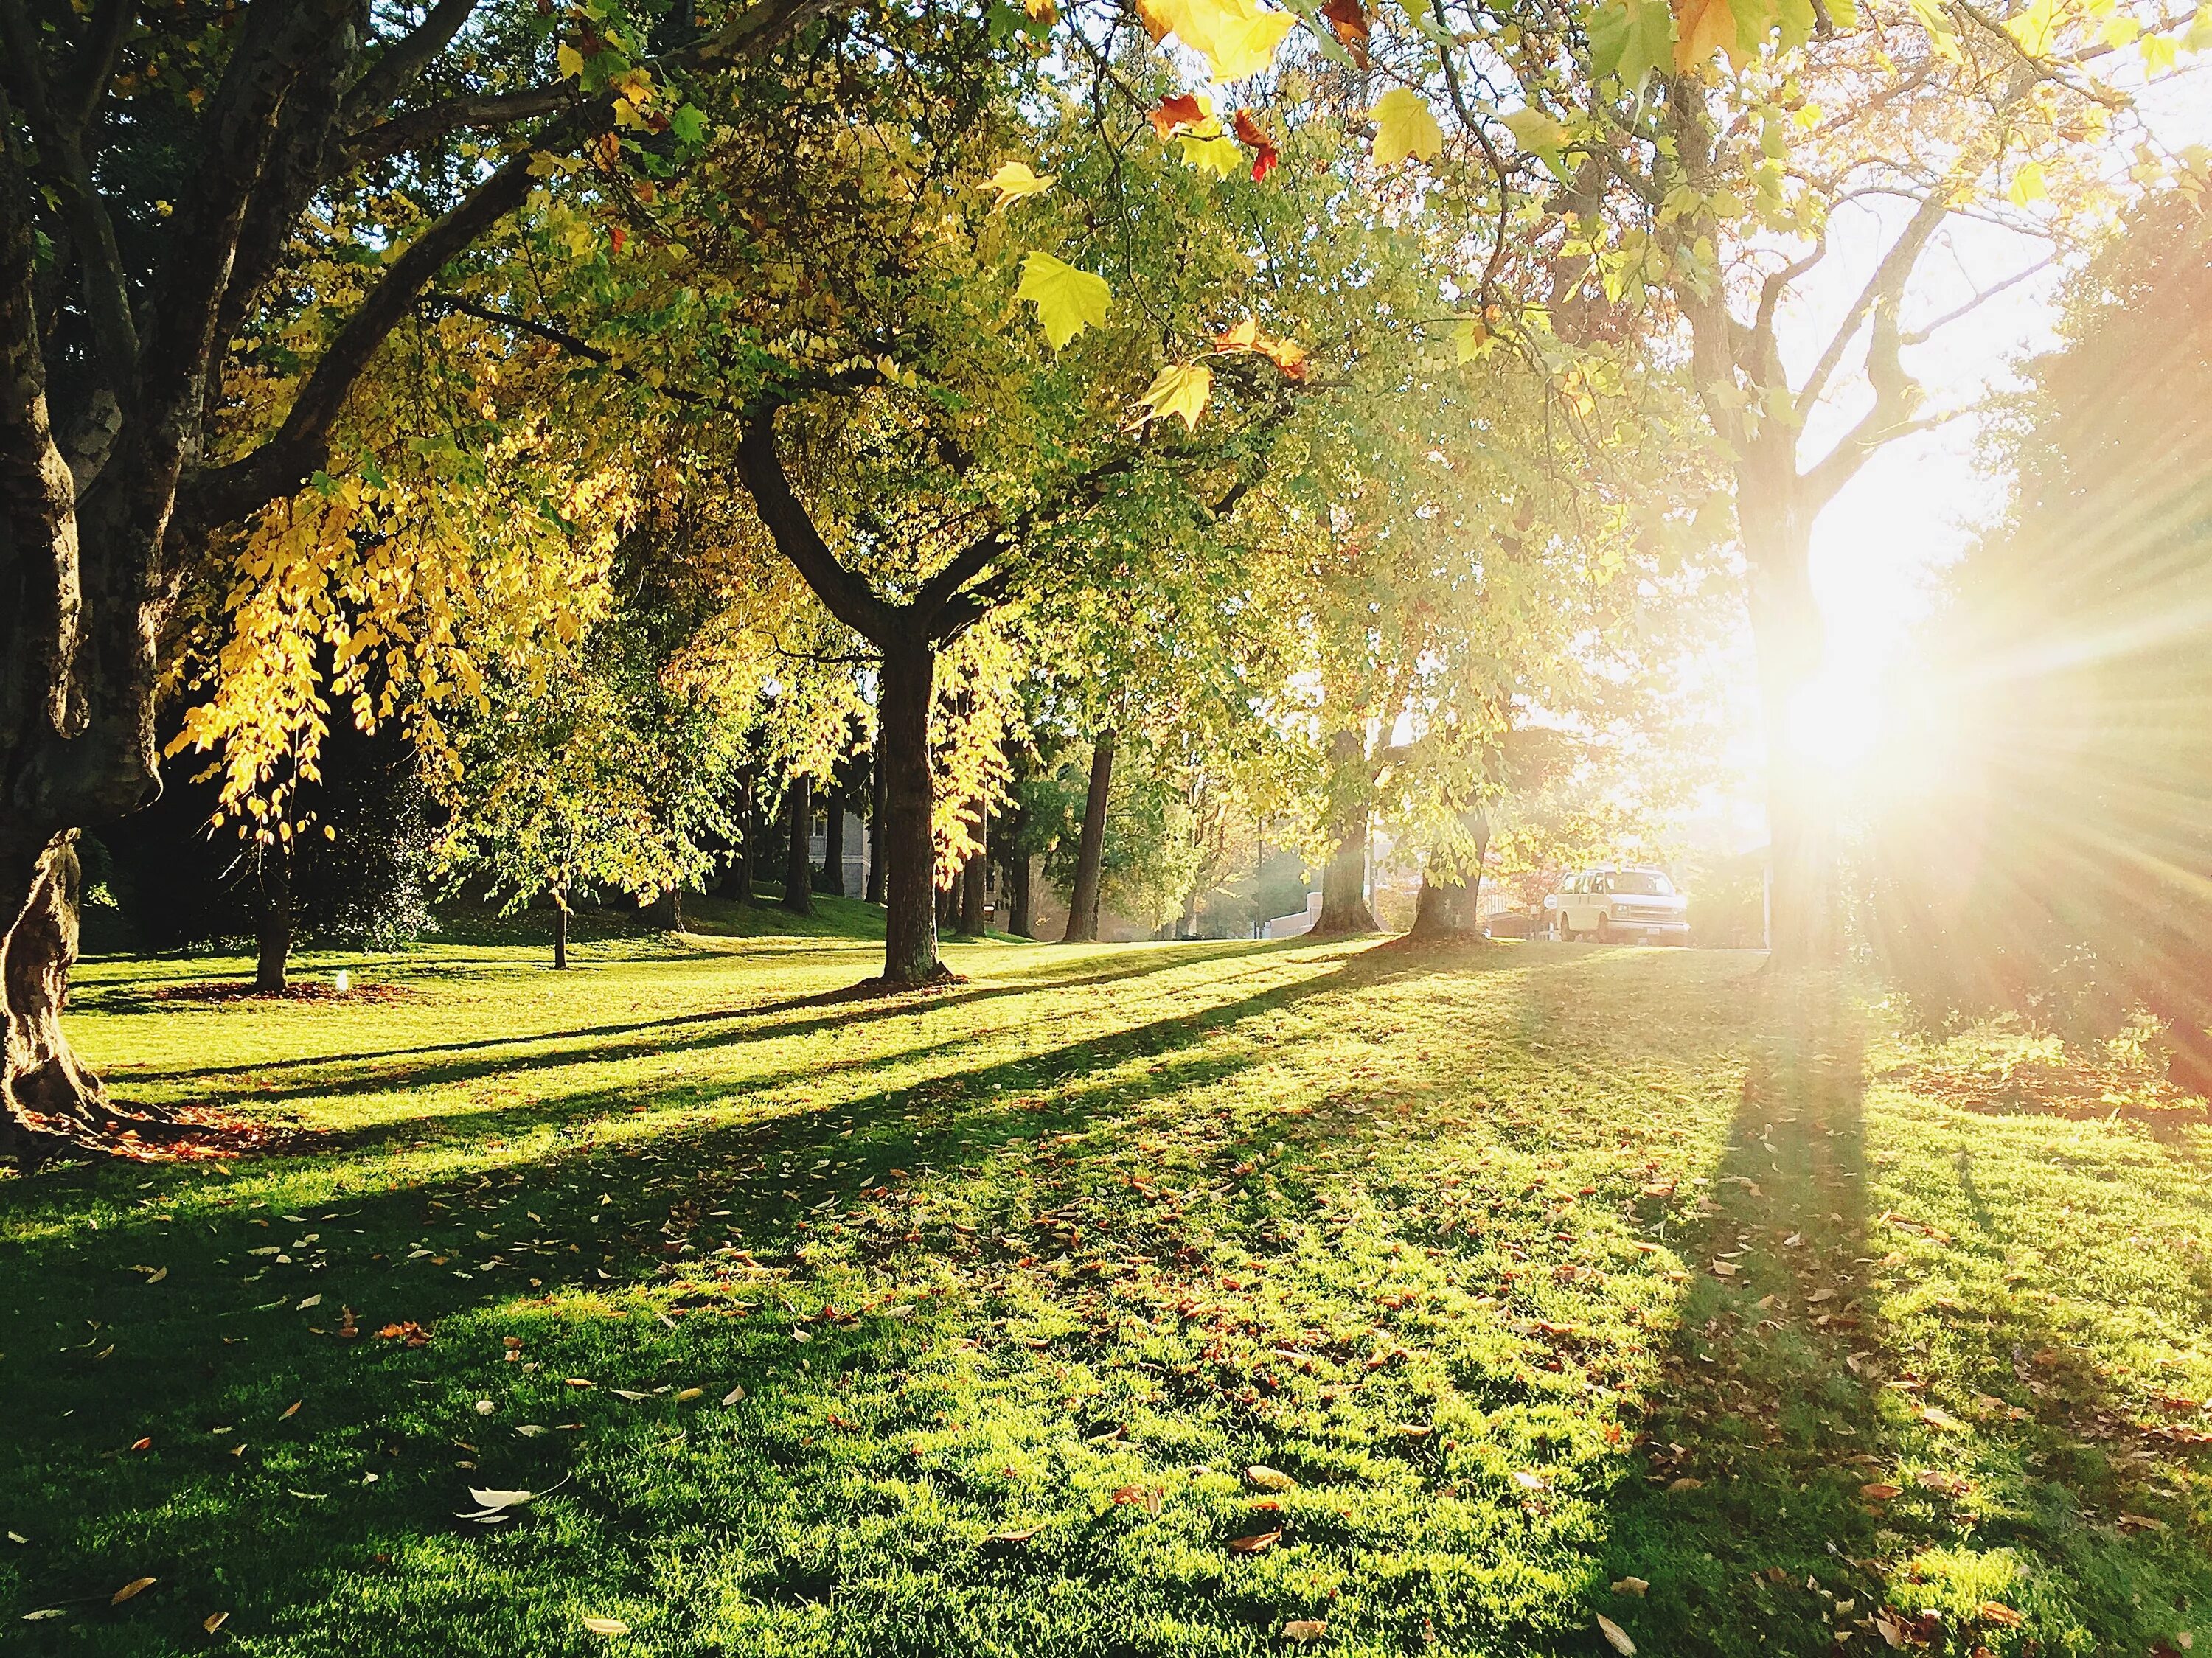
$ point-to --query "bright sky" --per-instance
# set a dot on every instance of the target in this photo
(1879, 550)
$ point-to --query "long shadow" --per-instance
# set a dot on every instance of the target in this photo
(641, 1033)
(232, 1346)
(1798, 1453)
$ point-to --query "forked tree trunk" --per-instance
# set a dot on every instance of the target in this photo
(1090, 851)
(909, 854)
(1344, 876)
(43, 1074)
(273, 935)
(797, 864)
(559, 934)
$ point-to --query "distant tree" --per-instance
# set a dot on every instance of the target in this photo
(2049, 846)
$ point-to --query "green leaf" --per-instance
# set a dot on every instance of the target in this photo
(1068, 300)
(1629, 38)
(688, 122)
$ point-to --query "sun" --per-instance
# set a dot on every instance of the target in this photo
(1836, 721)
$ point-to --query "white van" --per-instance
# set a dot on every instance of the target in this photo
(1614, 905)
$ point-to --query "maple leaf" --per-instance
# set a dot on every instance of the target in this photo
(1217, 155)
(1015, 181)
(1629, 38)
(1703, 28)
(1255, 138)
(1403, 127)
(1244, 336)
(1068, 300)
(1170, 115)
(1180, 388)
(1236, 38)
(1534, 130)
(1348, 22)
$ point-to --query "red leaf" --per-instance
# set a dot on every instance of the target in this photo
(1349, 23)
(1174, 114)
(1253, 1544)
(1251, 134)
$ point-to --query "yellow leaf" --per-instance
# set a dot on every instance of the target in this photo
(1215, 156)
(135, 1586)
(1068, 300)
(1534, 130)
(606, 1626)
(1180, 388)
(214, 1621)
(569, 61)
(1236, 38)
(1403, 127)
(2028, 185)
(1015, 181)
(1467, 337)
(1703, 28)
(1615, 1636)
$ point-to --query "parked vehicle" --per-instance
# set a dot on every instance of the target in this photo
(1619, 905)
(1512, 924)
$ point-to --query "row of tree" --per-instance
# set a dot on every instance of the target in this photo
(605, 391)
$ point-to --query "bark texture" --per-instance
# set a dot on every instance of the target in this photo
(909, 854)
(797, 863)
(1091, 850)
(832, 877)
(975, 883)
(44, 1078)
(1344, 907)
(561, 936)
(273, 936)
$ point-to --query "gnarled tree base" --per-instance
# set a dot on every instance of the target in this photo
(48, 1099)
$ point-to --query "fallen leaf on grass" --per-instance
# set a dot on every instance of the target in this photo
(407, 1330)
(1015, 1536)
(1527, 1481)
(1255, 1544)
(630, 1394)
(485, 1407)
(1261, 1478)
(1615, 1636)
(43, 1613)
(528, 1429)
(292, 1410)
(1936, 1417)
(1687, 1483)
(17, 1537)
(1148, 1497)
(214, 1621)
(1879, 1491)
(733, 1395)
(691, 1393)
(1305, 1629)
(135, 1586)
(606, 1626)
(1950, 1485)
(1996, 1611)
(1636, 1586)
(160, 1273)
(315, 1300)
(1724, 1268)
(145, 1444)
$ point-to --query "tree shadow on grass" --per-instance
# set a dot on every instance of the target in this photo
(625, 1039)
(359, 1448)
(1807, 1477)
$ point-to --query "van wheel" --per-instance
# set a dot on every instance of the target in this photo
(1604, 930)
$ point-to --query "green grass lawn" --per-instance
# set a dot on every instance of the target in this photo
(1191, 1299)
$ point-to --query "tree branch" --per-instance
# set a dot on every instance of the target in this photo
(1883, 288)
(403, 62)
(301, 444)
(61, 157)
(844, 593)
(416, 128)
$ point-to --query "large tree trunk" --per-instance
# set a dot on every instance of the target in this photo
(273, 936)
(909, 854)
(797, 864)
(1786, 634)
(1090, 851)
(559, 934)
(43, 1074)
(975, 880)
(1344, 876)
(1447, 906)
